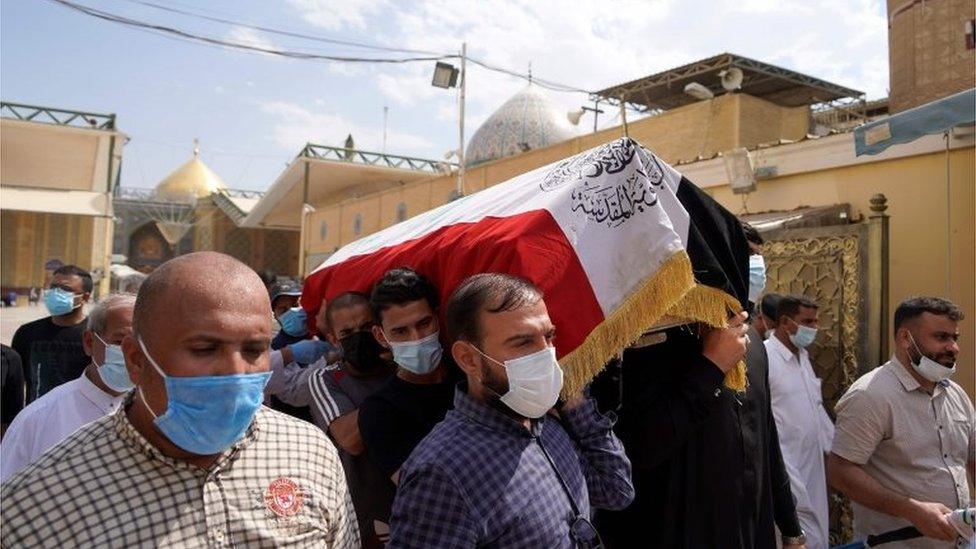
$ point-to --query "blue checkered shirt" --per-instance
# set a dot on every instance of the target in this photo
(481, 479)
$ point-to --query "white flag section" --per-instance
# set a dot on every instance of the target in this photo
(602, 233)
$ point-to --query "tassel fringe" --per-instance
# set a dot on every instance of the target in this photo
(671, 292)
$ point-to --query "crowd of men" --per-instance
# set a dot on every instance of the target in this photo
(212, 410)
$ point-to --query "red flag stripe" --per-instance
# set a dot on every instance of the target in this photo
(530, 244)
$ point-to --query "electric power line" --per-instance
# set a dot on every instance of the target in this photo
(99, 14)
(208, 40)
(281, 32)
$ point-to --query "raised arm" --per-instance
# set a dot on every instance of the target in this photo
(605, 465)
(673, 411)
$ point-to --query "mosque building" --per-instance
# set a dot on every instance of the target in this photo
(192, 209)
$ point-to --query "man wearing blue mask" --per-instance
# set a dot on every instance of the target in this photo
(805, 430)
(191, 458)
(98, 391)
(51, 348)
(500, 471)
(401, 413)
(292, 336)
(291, 318)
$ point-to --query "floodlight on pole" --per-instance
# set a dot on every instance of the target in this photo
(446, 76)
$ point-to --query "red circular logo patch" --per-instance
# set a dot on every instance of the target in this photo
(283, 497)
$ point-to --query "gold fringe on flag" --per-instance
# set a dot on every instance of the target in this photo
(712, 306)
(671, 291)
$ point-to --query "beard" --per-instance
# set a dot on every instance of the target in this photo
(495, 386)
(945, 359)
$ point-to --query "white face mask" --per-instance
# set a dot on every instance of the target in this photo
(534, 382)
(928, 368)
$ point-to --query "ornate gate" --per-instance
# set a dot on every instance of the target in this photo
(844, 269)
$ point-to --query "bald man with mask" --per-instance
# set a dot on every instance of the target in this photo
(191, 458)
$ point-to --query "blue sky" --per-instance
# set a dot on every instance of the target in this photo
(252, 112)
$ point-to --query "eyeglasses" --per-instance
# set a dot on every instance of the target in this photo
(584, 534)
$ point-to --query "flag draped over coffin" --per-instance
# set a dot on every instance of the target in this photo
(616, 238)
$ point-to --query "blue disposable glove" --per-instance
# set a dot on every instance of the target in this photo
(308, 351)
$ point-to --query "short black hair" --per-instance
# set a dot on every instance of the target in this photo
(752, 235)
(789, 305)
(74, 270)
(913, 307)
(401, 286)
(490, 292)
(345, 300)
(769, 303)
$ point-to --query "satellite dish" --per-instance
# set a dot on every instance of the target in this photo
(731, 79)
(698, 91)
(574, 116)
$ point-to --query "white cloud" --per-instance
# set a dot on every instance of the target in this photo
(593, 45)
(250, 37)
(334, 15)
(295, 125)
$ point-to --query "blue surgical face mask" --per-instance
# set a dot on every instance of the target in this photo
(804, 336)
(205, 415)
(757, 276)
(421, 356)
(294, 322)
(59, 302)
(112, 369)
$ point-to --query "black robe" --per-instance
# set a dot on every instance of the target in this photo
(706, 461)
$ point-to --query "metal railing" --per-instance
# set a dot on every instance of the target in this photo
(60, 117)
(149, 195)
(133, 193)
(242, 193)
(324, 152)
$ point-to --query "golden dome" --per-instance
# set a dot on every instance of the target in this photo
(189, 182)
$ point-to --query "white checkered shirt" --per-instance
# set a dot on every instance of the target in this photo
(106, 486)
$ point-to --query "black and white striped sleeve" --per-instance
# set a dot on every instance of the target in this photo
(328, 401)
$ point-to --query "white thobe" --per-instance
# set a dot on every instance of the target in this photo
(50, 419)
(805, 435)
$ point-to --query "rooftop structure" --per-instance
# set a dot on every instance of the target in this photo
(665, 90)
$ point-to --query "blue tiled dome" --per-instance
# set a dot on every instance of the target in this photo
(529, 120)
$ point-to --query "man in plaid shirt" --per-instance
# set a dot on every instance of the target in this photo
(191, 459)
(501, 470)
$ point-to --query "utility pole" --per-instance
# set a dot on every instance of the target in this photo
(460, 155)
(596, 110)
(623, 114)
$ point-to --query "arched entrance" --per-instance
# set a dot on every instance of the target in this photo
(148, 249)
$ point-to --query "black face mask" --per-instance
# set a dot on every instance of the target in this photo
(361, 351)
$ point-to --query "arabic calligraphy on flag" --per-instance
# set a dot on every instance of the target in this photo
(604, 234)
